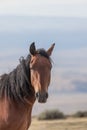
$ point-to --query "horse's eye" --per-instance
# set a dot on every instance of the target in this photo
(31, 61)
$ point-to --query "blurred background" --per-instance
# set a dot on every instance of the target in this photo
(45, 22)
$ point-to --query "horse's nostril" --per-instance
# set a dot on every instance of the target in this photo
(46, 95)
(37, 95)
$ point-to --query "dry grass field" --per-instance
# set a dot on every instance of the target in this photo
(66, 124)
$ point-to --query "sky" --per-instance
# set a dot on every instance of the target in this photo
(75, 8)
(45, 22)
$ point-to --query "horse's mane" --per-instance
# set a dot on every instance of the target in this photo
(16, 85)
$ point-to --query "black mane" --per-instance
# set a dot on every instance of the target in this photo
(16, 85)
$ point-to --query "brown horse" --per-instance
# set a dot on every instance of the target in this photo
(20, 88)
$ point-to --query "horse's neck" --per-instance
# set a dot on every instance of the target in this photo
(12, 113)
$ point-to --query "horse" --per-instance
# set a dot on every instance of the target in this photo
(20, 88)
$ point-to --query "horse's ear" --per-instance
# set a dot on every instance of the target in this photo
(49, 51)
(32, 48)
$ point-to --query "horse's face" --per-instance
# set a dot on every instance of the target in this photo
(40, 76)
(40, 69)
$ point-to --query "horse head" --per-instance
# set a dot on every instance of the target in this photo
(40, 71)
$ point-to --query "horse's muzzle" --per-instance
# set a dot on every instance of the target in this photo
(41, 97)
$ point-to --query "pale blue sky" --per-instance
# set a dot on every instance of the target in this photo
(76, 8)
(63, 22)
